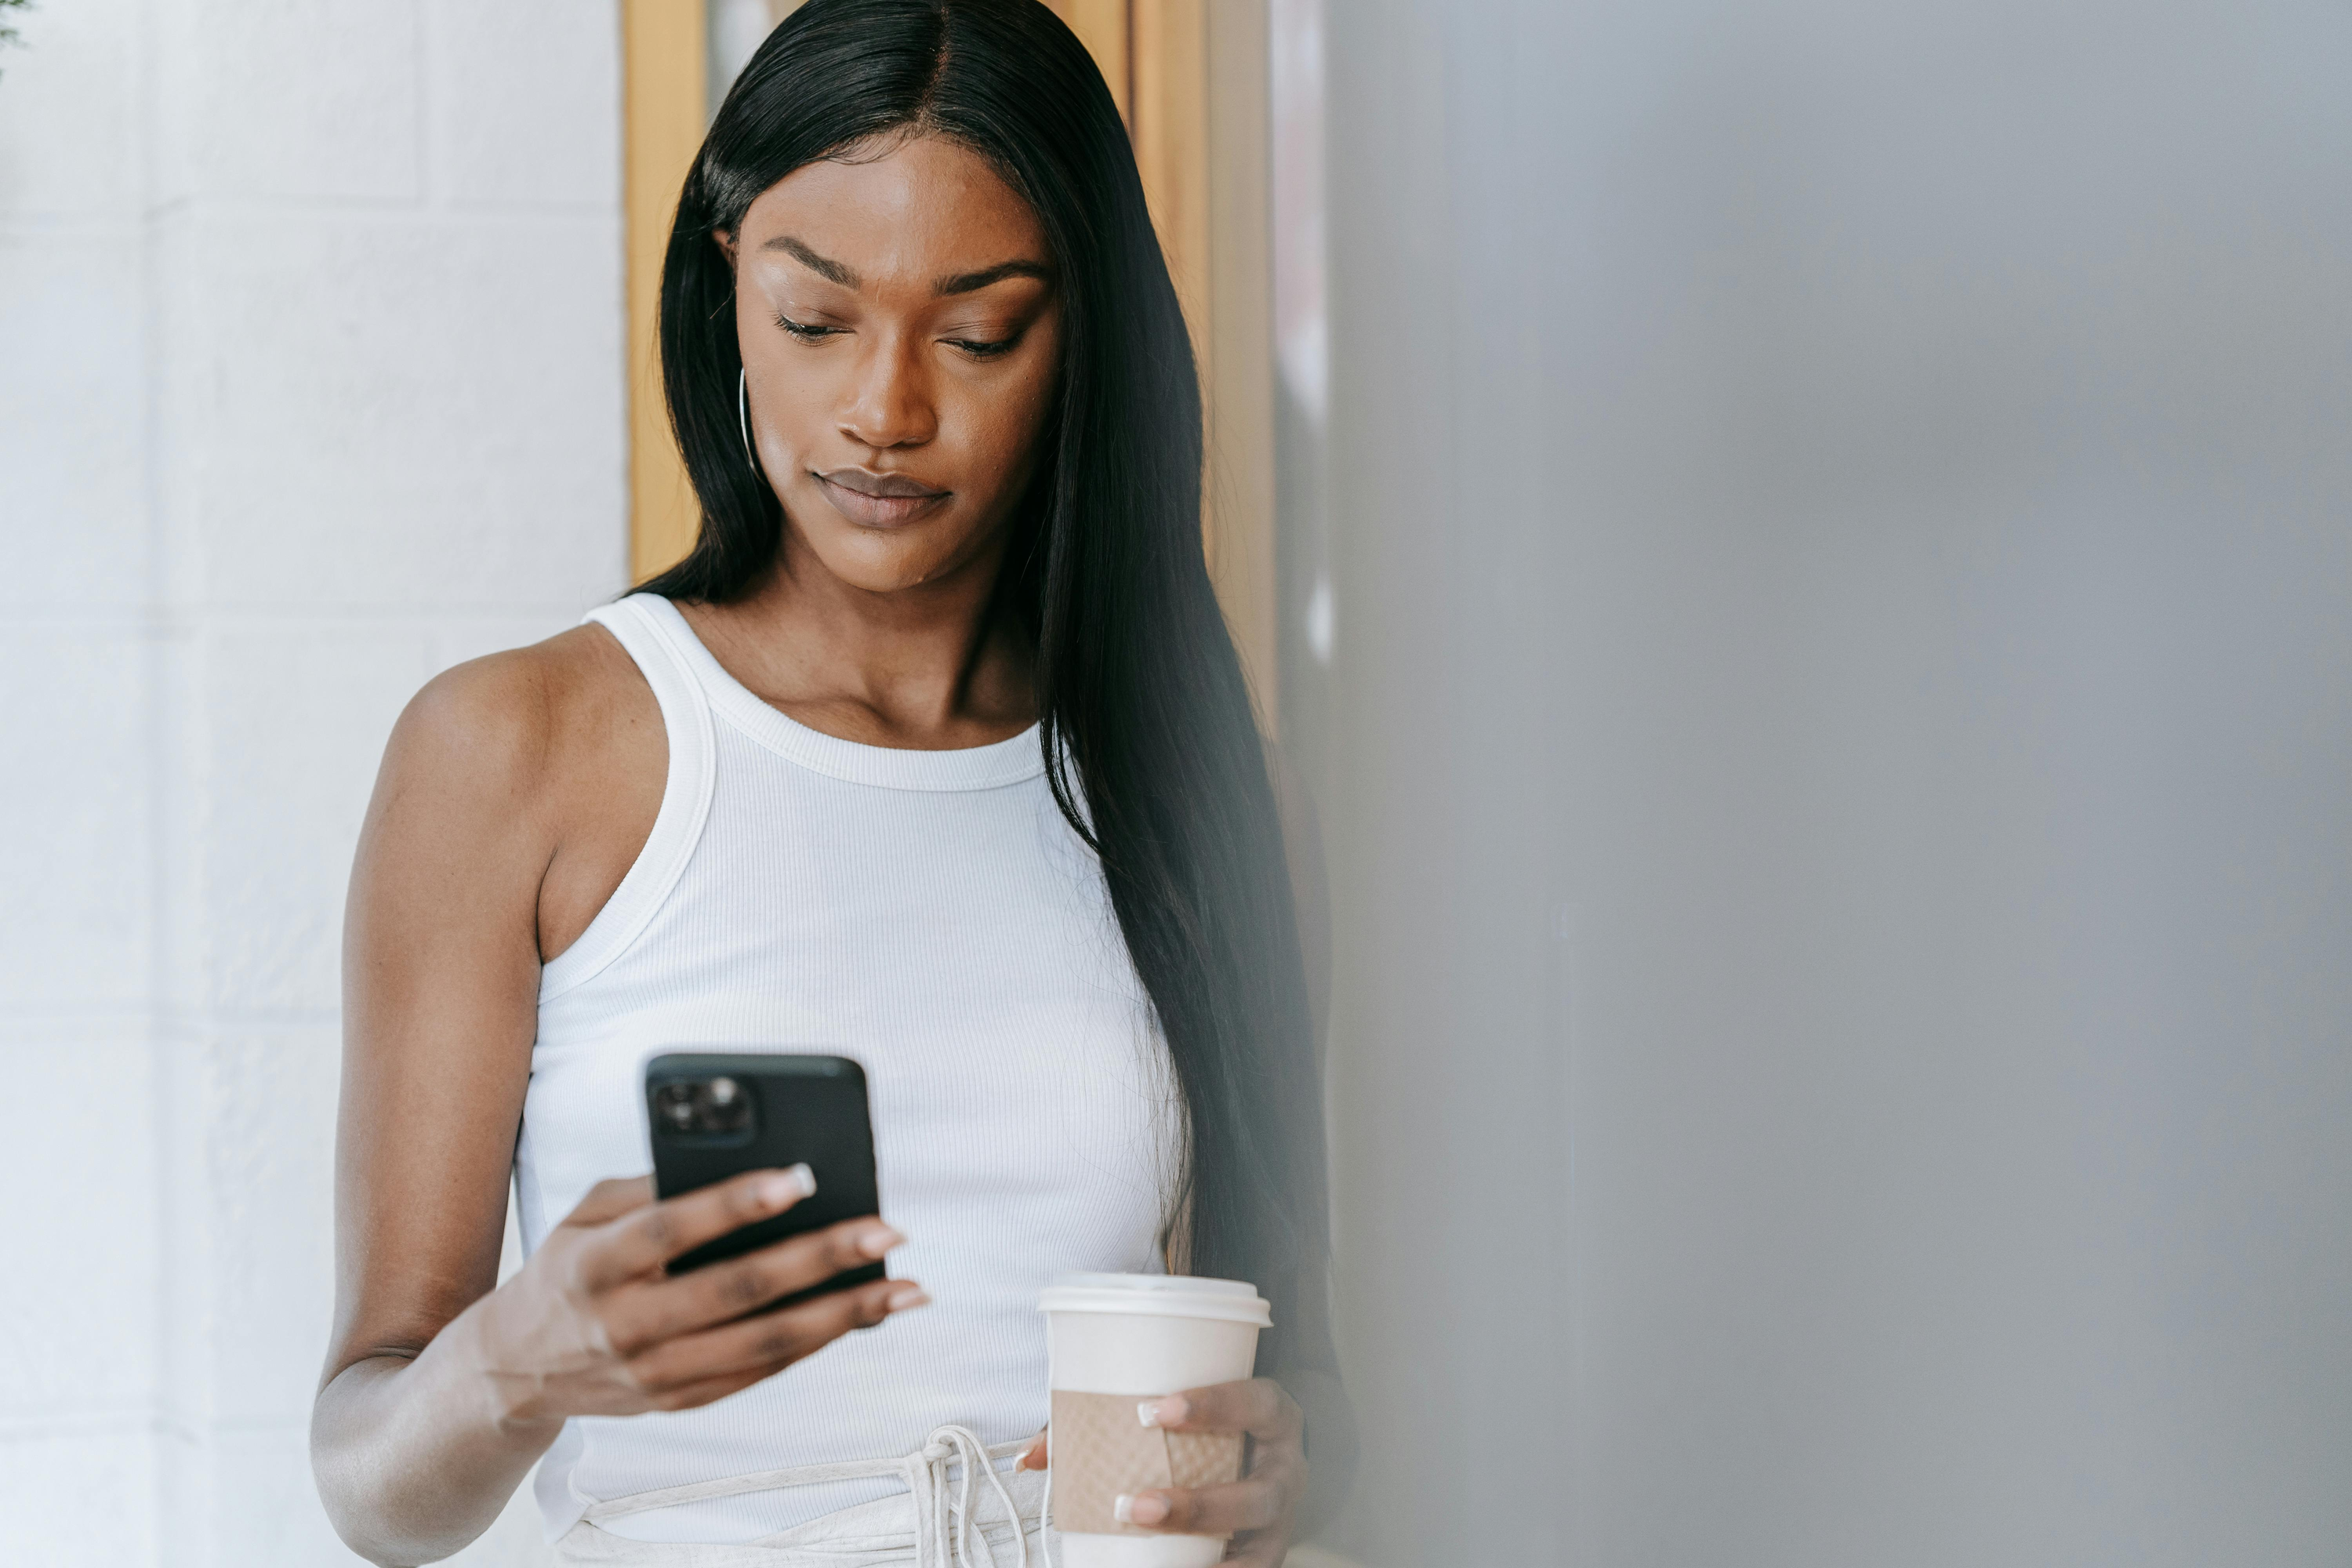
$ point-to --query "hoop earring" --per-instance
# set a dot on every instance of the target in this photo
(743, 418)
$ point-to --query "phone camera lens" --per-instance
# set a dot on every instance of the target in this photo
(713, 1107)
(674, 1106)
(722, 1107)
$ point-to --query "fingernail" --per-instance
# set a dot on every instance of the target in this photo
(879, 1240)
(1147, 1413)
(1168, 1412)
(1146, 1510)
(1122, 1507)
(913, 1296)
(788, 1186)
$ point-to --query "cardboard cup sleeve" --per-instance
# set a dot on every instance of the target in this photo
(1101, 1449)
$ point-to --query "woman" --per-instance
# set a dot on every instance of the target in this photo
(935, 752)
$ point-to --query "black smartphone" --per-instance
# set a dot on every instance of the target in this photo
(718, 1115)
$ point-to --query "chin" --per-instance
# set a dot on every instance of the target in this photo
(883, 564)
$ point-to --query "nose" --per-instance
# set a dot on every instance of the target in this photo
(890, 403)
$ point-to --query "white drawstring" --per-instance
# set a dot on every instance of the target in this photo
(950, 1445)
(925, 1473)
(1045, 1505)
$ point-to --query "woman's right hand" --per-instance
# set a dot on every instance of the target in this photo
(593, 1325)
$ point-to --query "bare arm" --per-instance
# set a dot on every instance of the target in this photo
(440, 981)
(439, 1391)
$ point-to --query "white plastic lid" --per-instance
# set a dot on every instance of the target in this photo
(1157, 1296)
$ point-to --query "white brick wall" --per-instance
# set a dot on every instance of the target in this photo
(310, 385)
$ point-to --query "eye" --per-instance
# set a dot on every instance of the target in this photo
(983, 348)
(807, 333)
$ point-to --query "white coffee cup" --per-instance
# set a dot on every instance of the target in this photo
(1138, 1336)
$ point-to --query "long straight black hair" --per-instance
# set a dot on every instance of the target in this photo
(1150, 746)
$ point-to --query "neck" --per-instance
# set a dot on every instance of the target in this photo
(933, 665)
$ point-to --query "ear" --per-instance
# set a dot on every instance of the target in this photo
(725, 239)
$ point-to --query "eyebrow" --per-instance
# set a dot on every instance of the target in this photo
(971, 282)
(959, 283)
(823, 266)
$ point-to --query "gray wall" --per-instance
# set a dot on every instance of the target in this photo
(1838, 772)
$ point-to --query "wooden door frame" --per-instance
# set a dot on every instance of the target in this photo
(663, 112)
(1190, 77)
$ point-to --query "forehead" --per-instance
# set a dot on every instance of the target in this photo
(925, 207)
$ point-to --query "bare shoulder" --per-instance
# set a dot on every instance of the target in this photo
(515, 790)
(493, 766)
(506, 731)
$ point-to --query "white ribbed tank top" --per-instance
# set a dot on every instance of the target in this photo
(930, 915)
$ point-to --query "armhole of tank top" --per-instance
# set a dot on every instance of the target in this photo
(684, 804)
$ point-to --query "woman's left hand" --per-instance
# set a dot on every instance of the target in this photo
(1256, 1510)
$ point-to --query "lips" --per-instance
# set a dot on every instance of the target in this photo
(877, 501)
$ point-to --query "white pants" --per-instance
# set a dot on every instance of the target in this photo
(956, 1512)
